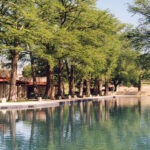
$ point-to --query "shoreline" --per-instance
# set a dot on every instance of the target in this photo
(44, 103)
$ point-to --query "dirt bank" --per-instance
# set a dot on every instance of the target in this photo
(145, 91)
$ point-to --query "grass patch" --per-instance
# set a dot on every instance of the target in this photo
(146, 82)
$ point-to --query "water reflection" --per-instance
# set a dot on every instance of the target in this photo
(13, 115)
(32, 128)
(85, 125)
(98, 110)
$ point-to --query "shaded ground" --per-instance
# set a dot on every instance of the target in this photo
(134, 91)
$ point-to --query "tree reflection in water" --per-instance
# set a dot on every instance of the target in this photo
(13, 115)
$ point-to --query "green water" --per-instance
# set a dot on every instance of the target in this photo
(81, 126)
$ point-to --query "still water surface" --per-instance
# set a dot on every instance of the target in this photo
(80, 126)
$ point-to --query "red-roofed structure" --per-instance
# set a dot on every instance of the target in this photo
(24, 85)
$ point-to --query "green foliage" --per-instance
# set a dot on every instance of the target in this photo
(142, 32)
(144, 64)
(27, 71)
(140, 37)
(146, 75)
(144, 61)
(127, 70)
(90, 40)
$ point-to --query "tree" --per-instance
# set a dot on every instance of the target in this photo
(141, 35)
(64, 45)
(127, 69)
(19, 26)
(144, 66)
(110, 29)
(27, 71)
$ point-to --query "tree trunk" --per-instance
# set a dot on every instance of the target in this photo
(52, 92)
(52, 87)
(49, 91)
(115, 87)
(95, 88)
(13, 89)
(47, 81)
(70, 72)
(71, 82)
(88, 88)
(116, 83)
(35, 90)
(81, 88)
(60, 79)
(106, 87)
(100, 87)
(139, 83)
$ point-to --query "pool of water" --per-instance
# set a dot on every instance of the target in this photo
(115, 125)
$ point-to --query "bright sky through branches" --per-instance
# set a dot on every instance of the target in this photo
(120, 9)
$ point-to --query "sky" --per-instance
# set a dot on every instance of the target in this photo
(120, 9)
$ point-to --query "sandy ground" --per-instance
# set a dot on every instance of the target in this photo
(134, 91)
